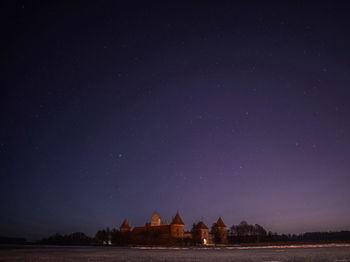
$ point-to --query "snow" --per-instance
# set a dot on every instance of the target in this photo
(295, 253)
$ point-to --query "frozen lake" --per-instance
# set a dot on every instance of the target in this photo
(295, 253)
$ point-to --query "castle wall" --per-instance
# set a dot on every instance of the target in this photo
(154, 233)
(177, 231)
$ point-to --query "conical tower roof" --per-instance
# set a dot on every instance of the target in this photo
(220, 223)
(201, 225)
(125, 224)
(177, 220)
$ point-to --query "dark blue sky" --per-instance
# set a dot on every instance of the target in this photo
(114, 110)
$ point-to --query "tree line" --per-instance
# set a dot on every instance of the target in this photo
(76, 238)
(246, 233)
(236, 234)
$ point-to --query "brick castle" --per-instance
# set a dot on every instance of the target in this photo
(155, 232)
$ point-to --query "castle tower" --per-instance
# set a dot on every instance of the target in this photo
(177, 227)
(220, 233)
(155, 220)
(201, 233)
(125, 226)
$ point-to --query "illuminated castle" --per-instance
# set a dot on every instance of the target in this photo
(156, 232)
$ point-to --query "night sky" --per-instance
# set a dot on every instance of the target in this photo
(119, 109)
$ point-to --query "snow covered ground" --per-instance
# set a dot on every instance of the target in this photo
(295, 253)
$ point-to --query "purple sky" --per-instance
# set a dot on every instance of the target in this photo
(114, 110)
